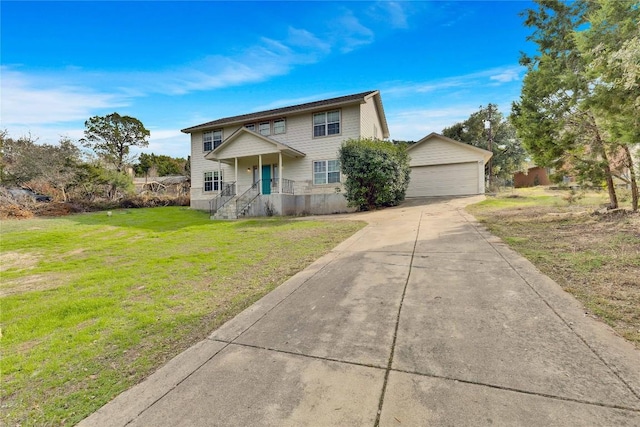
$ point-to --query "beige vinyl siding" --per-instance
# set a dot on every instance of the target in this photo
(369, 120)
(200, 165)
(442, 167)
(437, 152)
(298, 135)
(246, 145)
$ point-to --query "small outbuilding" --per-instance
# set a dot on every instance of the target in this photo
(532, 177)
(441, 166)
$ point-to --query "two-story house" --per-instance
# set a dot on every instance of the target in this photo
(282, 161)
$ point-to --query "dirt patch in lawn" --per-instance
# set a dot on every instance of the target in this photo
(35, 282)
(17, 260)
(595, 257)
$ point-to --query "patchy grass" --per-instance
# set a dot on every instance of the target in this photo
(92, 304)
(594, 257)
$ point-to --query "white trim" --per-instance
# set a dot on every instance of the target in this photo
(326, 123)
(260, 173)
(326, 172)
(280, 171)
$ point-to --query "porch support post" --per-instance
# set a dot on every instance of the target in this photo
(280, 171)
(260, 173)
(235, 186)
(219, 176)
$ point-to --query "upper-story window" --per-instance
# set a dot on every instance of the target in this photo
(264, 128)
(279, 126)
(211, 140)
(251, 126)
(327, 123)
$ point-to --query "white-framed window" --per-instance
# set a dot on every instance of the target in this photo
(264, 128)
(212, 181)
(207, 141)
(326, 123)
(279, 126)
(217, 138)
(211, 140)
(251, 126)
(326, 172)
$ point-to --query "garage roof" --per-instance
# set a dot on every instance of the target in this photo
(484, 153)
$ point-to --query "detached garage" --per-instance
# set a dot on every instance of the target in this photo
(441, 166)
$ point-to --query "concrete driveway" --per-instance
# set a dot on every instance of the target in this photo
(421, 318)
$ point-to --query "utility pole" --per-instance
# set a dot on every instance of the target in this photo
(487, 125)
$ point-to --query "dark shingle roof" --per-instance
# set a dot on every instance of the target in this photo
(279, 112)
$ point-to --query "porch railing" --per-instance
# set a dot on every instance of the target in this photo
(287, 186)
(228, 191)
(244, 201)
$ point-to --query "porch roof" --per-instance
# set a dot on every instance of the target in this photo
(258, 144)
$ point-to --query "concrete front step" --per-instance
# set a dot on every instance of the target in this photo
(228, 211)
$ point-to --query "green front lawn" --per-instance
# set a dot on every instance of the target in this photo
(92, 304)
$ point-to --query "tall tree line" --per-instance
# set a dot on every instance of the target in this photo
(579, 109)
(66, 172)
(508, 153)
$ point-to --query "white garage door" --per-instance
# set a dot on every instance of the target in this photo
(444, 180)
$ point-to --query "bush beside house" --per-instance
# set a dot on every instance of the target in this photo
(377, 172)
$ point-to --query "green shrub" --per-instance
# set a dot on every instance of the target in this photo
(377, 172)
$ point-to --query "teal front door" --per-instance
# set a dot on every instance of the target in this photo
(266, 179)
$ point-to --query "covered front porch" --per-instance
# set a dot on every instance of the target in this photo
(249, 165)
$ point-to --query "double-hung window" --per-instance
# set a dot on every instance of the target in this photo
(264, 128)
(212, 181)
(327, 123)
(326, 172)
(207, 141)
(251, 126)
(279, 126)
(211, 140)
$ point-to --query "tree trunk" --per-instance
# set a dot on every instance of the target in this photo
(632, 175)
(599, 145)
(113, 191)
(613, 199)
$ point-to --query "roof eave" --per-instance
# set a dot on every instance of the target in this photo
(485, 153)
(275, 115)
(283, 148)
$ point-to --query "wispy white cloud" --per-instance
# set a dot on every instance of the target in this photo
(56, 102)
(285, 102)
(485, 77)
(348, 33)
(414, 124)
(394, 12)
(305, 39)
(70, 94)
(440, 103)
(34, 99)
(508, 75)
(170, 142)
(266, 59)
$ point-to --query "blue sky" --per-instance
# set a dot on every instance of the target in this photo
(178, 64)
